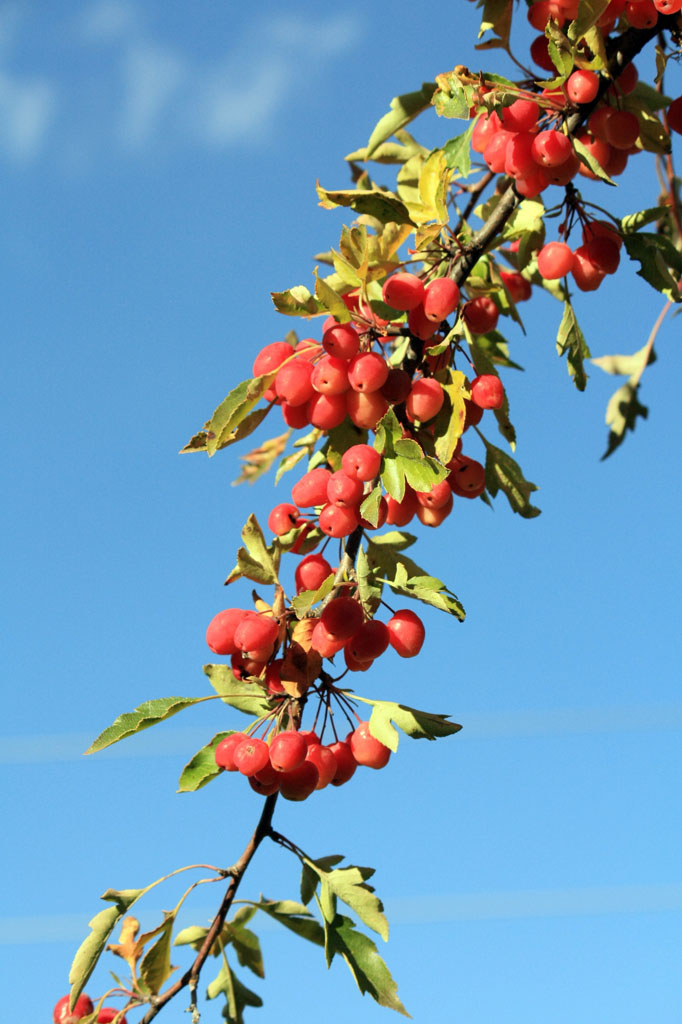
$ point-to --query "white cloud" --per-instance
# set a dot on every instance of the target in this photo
(321, 38)
(108, 20)
(151, 75)
(27, 108)
(223, 108)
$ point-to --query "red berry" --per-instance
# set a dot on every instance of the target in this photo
(406, 633)
(441, 298)
(467, 477)
(554, 260)
(221, 629)
(425, 399)
(293, 383)
(327, 411)
(551, 148)
(255, 631)
(520, 116)
(273, 676)
(434, 516)
(361, 462)
(108, 1014)
(487, 391)
(437, 497)
(337, 520)
(367, 749)
(641, 15)
(311, 573)
(366, 409)
(403, 291)
(324, 761)
(341, 340)
(82, 1007)
(399, 513)
(311, 489)
(283, 518)
(622, 129)
(674, 115)
(481, 314)
(295, 416)
(345, 762)
(420, 325)
(582, 86)
(369, 641)
(330, 376)
(251, 756)
(287, 751)
(367, 372)
(518, 287)
(397, 386)
(224, 752)
(299, 783)
(342, 617)
(323, 642)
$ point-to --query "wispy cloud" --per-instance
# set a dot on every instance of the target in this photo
(136, 87)
(27, 108)
(440, 908)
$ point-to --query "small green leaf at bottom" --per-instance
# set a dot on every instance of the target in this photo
(367, 967)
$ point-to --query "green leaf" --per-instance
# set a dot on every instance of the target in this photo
(403, 459)
(155, 966)
(503, 473)
(247, 947)
(310, 876)
(628, 365)
(369, 592)
(331, 300)
(405, 577)
(589, 13)
(92, 947)
(201, 769)
(307, 599)
(297, 301)
(369, 509)
(634, 221)
(256, 560)
(496, 18)
(144, 716)
(295, 917)
(571, 343)
(453, 97)
(449, 422)
(403, 110)
(238, 996)
(246, 697)
(416, 724)
(591, 161)
(222, 428)
(349, 885)
(622, 412)
(385, 206)
(368, 969)
(458, 152)
(657, 256)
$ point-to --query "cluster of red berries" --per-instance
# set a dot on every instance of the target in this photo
(83, 1007)
(295, 764)
(598, 256)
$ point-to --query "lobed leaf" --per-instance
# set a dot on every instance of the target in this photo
(155, 966)
(101, 927)
(622, 413)
(256, 560)
(571, 343)
(403, 110)
(295, 917)
(247, 697)
(503, 473)
(657, 256)
(414, 723)
(360, 953)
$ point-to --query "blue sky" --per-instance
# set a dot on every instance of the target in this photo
(158, 165)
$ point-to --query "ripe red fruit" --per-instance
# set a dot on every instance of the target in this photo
(343, 490)
(554, 260)
(224, 752)
(287, 751)
(367, 372)
(330, 376)
(434, 516)
(299, 783)
(441, 298)
(309, 736)
(367, 749)
(520, 116)
(337, 520)
(397, 386)
(582, 86)
(366, 409)
(369, 641)
(324, 761)
(243, 667)
(264, 788)
(622, 129)
(399, 513)
(403, 291)
(255, 631)
(495, 153)
(271, 357)
(604, 253)
(82, 1007)
(345, 762)
(295, 416)
(406, 633)
(361, 462)
(542, 10)
(342, 617)
(641, 15)
(251, 756)
(420, 325)
(551, 148)
(293, 383)
(467, 477)
(487, 391)
(221, 628)
(674, 114)
(425, 399)
(473, 414)
(481, 314)
(311, 489)
(437, 497)
(518, 287)
(586, 274)
(283, 518)
(327, 411)
(667, 6)
(108, 1014)
(341, 340)
(539, 51)
(273, 676)
(311, 572)
(323, 642)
